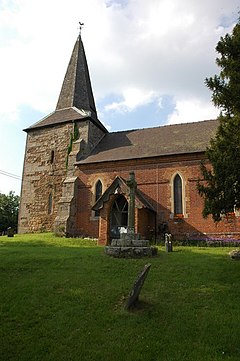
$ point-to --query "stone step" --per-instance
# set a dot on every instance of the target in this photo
(130, 243)
(131, 252)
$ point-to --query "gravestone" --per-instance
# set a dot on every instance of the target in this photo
(168, 242)
(134, 294)
(10, 232)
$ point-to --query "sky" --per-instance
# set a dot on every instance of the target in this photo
(147, 60)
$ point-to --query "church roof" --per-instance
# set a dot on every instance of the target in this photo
(76, 99)
(65, 116)
(152, 142)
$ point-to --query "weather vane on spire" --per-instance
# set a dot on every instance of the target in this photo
(80, 27)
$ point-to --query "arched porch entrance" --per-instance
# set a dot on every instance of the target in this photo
(114, 209)
(118, 216)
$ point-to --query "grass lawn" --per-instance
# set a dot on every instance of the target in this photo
(62, 299)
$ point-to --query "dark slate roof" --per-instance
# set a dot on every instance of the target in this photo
(152, 142)
(65, 116)
(59, 116)
(76, 88)
(76, 99)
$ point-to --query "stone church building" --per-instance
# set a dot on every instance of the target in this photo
(75, 172)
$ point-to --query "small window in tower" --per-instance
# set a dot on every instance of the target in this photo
(52, 157)
(98, 193)
(50, 203)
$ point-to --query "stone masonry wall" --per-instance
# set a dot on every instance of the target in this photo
(67, 213)
(43, 174)
(46, 171)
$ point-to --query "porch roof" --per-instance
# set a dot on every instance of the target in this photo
(119, 186)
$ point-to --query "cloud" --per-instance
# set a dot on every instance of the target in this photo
(132, 99)
(139, 50)
(192, 110)
(161, 48)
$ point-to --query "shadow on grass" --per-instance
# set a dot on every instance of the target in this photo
(141, 306)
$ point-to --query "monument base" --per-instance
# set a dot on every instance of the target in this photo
(130, 248)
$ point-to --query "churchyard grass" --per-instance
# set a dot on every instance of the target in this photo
(62, 299)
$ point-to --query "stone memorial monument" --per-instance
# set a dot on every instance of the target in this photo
(130, 245)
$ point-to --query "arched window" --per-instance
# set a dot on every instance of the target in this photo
(98, 193)
(177, 195)
(50, 203)
(119, 216)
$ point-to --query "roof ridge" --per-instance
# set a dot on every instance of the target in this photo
(162, 126)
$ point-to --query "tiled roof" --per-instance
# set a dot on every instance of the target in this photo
(64, 116)
(59, 116)
(152, 142)
(76, 99)
(76, 88)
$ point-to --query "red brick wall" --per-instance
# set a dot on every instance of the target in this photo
(145, 224)
(154, 178)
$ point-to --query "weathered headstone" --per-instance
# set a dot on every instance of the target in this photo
(10, 232)
(168, 242)
(134, 294)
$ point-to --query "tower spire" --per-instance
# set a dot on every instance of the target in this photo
(81, 25)
(76, 88)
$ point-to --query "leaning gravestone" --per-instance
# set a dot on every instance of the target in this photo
(134, 294)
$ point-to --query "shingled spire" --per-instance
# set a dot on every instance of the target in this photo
(76, 88)
(76, 99)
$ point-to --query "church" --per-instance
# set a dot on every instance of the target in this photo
(75, 173)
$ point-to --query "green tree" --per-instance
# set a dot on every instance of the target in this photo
(220, 187)
(9, 205)
(226, 85)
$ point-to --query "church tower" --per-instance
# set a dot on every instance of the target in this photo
(53, 146)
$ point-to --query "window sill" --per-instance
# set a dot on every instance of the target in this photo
(178, 216)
